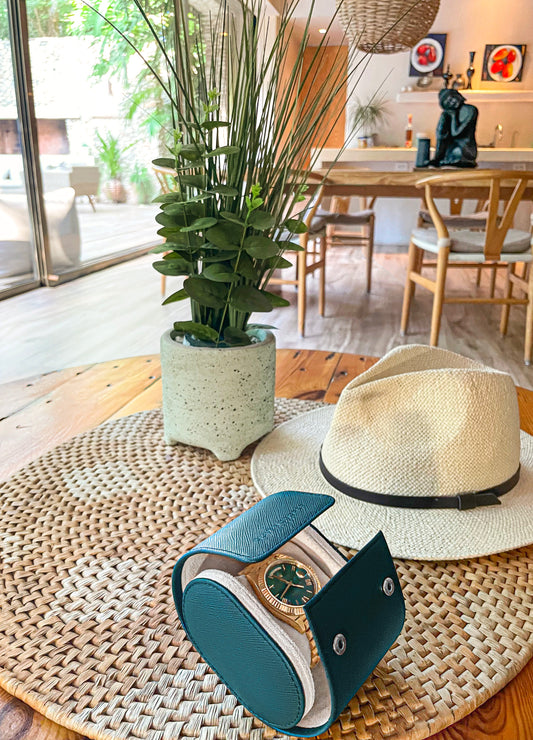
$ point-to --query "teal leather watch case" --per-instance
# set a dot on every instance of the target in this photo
(354, 617)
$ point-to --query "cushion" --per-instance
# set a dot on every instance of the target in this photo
(461, 221)
(472, 241)
(16, 251)
(346, 219)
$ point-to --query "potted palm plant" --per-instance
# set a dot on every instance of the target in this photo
(245, 111)
(110, 155)
(368, 117)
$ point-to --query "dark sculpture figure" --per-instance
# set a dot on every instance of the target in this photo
(456, 129)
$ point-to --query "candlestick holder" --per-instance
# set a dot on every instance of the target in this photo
(470, 71)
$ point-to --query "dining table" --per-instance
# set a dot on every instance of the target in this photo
(353, 181)
(41, 412)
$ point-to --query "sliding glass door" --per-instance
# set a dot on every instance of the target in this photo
(91, 119)
(18, 255)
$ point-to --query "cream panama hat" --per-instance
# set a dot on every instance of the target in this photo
(426, 446)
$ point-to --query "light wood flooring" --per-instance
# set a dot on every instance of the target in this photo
(117, 313)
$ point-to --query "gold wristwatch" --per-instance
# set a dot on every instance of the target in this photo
(283, 585)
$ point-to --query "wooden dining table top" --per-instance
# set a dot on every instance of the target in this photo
(395, 184)
(38, 413)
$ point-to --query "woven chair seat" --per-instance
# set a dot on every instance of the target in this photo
(515, 245)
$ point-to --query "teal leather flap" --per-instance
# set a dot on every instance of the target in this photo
(242, 653)
(355, 604)
(259, 531)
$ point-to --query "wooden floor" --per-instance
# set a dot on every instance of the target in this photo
(114, 227)
(117, 313)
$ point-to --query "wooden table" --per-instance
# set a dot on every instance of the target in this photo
(353, 181)
(39, 413)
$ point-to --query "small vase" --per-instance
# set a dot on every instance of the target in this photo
(221, 399)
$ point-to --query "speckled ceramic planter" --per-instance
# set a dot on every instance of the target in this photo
(220, 399)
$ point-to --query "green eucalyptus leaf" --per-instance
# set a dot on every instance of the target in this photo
(192, 152)
(173, 267)
(226, 255)
(200, 331)
(200, 224)
(220, 273)
(166, 219)
(225, 235)
(236, 337)
(223, 150)
(179, 295)
(172, 256)
(279, 263)
(192, 181)
(246, 268)
(246, 298)
(295, 226)
(160, 249)
(186, 207)
(260, 247)
(164, 162)
(167, 232)
(223, 190)
(232, 217)
(167, 197)
(210, 125)
(198, 198)
(261, 220)
(290, 246)
(276, 301)
(179, 240)
(206, 292)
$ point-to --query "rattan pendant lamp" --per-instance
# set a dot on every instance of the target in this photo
(387, 26)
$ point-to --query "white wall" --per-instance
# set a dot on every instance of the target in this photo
(470, 24)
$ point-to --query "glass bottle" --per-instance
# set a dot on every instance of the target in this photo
(409, 132)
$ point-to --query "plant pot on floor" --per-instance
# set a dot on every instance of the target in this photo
(115, 191)
(221, 399)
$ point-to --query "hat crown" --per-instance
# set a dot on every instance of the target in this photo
(425, 422)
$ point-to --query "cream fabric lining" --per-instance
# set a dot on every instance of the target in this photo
(311, 549)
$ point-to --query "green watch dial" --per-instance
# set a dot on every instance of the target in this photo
(290, 583)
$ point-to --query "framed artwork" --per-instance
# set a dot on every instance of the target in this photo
(503, 62)
(427, 57)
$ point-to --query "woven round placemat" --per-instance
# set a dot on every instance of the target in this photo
(88, 631)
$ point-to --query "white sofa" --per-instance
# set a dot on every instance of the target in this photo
(16, 250)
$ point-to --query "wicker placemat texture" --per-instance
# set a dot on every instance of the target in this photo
(88, 631)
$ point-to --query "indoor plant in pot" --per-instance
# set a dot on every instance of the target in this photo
(368, 117)
(244, 119)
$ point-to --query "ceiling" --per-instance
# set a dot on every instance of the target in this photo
(323, 12)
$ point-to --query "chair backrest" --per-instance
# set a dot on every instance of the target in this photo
(165, 177)
(504, 186)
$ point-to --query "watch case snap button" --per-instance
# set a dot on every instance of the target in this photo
(339, 644)
(388, 586)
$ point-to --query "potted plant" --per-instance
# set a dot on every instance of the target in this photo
(110, 155)
(142, 183)
(368, 117)
(239, 157)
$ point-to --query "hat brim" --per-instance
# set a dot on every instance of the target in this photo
(288, 459)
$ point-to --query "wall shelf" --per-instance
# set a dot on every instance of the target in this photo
(473, 96)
